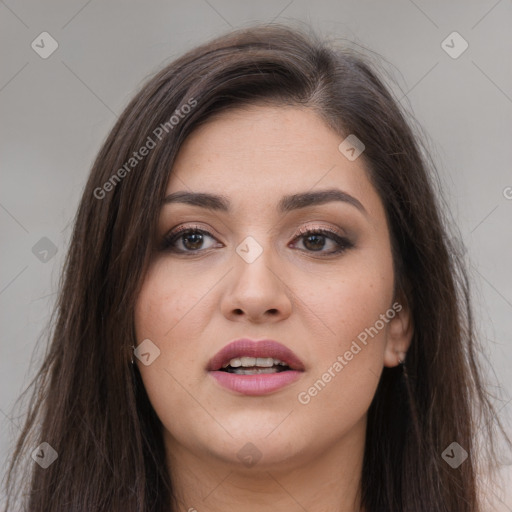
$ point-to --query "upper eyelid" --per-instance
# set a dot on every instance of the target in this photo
(298, 232)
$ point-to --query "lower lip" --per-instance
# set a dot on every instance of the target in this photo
(259, 384)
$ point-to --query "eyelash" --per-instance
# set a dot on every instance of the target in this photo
(171, 238)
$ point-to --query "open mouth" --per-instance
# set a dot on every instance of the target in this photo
(254, 366)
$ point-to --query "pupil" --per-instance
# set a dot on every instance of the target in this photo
(197, 242)
(317, 238)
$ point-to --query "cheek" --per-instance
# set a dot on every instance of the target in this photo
(356, 311)
(168, 313)
(166, 302)
(351, 300)
(166, 299)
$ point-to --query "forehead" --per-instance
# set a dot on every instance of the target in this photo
(262, 136)
(258, 154)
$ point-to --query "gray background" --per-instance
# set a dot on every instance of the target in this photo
(56, 111)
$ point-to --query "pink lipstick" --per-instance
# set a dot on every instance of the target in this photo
(255, 367)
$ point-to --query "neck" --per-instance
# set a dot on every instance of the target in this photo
(327, 481)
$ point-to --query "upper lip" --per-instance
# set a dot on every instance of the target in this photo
(249, 348)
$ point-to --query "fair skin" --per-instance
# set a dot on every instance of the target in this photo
(296, 292)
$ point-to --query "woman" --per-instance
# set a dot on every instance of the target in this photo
(261, 308)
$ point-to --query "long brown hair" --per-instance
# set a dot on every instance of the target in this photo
(89, 402)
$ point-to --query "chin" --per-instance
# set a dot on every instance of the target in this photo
(258, 455)
(261, 445)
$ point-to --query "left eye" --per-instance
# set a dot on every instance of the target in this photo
(192, 239)
(314, 240)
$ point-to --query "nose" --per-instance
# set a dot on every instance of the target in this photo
(256, 291)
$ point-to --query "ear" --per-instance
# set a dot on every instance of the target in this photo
(399, 333)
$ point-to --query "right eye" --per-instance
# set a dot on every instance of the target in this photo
(191, 240)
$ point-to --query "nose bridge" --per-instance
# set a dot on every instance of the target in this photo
(254, 258)
(256, 287)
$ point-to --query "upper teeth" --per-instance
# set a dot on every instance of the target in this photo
(265, 362)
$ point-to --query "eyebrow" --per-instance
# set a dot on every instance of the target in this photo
(287, 203)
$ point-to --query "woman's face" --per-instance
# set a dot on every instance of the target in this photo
(250, 273)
